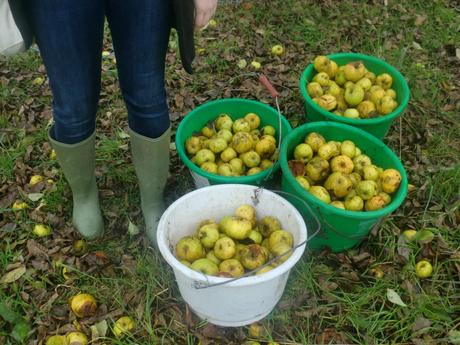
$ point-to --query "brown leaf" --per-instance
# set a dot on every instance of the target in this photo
(212, 331)
(420, 323)
(419, 20)
(297, 168)
(13, 275)
(403, 249)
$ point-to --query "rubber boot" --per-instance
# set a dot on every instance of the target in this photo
(78, 162)
(151, 162)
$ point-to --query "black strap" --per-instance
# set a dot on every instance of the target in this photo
(20, 18)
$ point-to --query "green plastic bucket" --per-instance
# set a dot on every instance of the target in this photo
(378, 126)
(340, 229)
(236, 108)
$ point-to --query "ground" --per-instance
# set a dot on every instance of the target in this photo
(330, 298)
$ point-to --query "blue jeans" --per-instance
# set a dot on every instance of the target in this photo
(69, 34)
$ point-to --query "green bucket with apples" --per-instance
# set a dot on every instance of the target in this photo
(341, 229)
(377, 126)
(236, 108)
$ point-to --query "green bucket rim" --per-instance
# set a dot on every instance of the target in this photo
(310, 127)
(180, 140)
(385, 118)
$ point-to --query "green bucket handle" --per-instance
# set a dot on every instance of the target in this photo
(338, 232)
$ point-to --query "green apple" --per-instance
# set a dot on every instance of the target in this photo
(327, 102)
(374, 203)
(354, 71)
(251, 159)
(225, 134)
(253, 120)
(241, 125)
(320, 193)
(269, 130)
(210, 167)
(366, 109)
(204, 155)
(228, 154)
(190, 249)
(390, 180)
(247, 212)
(253, 256)
(354, 203)
(322, 78)
(303, 182)
(217, 145)
(366, 189)
(205, 266)
(339, 184)
(342, 163)
(314, 89)
(365, 83)
(370, 172)
(208, 234)
(233, 267)
(279, 236)
(348, 148)
(360, 161)
(354, 95)
(277, 50)
(193, 145)
(224, 248)
(303, 152)
(321, 63)
(317, 169)
(265, 147)
(386, 105)
(242, 142)
(315, 140)
(338, 204)
(384, 80)
(423, 269)
(223, 121)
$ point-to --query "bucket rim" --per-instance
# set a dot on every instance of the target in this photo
(375, 121)
(214, 178)
(363, 215)
(286, 266)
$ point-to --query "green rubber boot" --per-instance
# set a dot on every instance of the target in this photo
(151, 162)
(78, 163)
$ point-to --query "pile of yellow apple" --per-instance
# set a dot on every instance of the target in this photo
(351, 90)
(236, 244)
(233, 147)
(339, 174)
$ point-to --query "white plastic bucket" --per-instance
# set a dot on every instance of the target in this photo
(240, 302)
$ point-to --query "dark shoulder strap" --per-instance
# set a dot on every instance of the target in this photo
(20, 18)
(184, 19)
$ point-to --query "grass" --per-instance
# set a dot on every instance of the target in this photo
(329, 298)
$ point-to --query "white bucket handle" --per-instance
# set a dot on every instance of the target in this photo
(204, 285)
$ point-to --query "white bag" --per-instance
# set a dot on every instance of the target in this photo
(11, 40)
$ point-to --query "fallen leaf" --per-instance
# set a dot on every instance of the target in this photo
(403, 249)
(132, 228)
(423, 236)
(419, 20)
(394, 298)
(454, 336)
(13, 275)
(297, 168)
(420, 323)
(99, 330)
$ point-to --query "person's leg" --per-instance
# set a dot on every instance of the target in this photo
(140, 32)
(69, 35)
